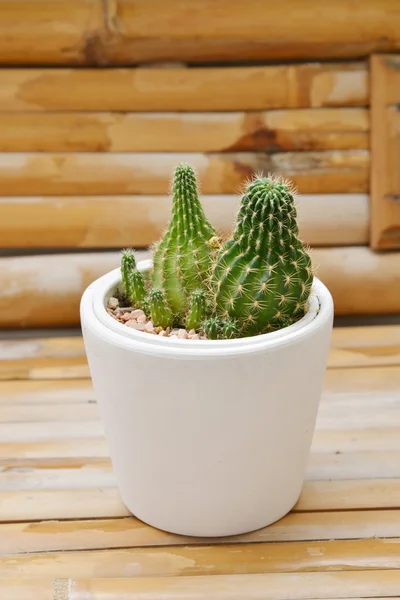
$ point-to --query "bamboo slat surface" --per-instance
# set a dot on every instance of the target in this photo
(45, 290)
(185, 89)
(136, 31)
(273, 131)
(385, 148)
(328, 171)
(63, 524)
(139, 220)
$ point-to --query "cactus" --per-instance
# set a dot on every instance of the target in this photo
(132, 279)
(212, 328)
(182, 259)
(258, 281)
(161, 314)
(262, 276)
(197, 309)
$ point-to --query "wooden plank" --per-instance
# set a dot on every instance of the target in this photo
(238, 32)
(357, 440)
(273, 131)
(45, 413)
(330, 171)
(46, 290)
(355, 382)
(359, 585)
(66, 30)
(131, 32)
(89, 473)
(385, 149)
(54, 358)
(49, 431)
(75, 447)
(97, 473)
(325, 441)
(117, 221)
(37, 505)
(238, 559)
(50, 536)
(356, 465)
(184, 89)
(80, 472)
(31, 393)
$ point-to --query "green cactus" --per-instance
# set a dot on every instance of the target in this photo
(182, 259)
(212, 328)
(132, 279)
(197, 309)
(161, 314)
(258, 281)
(262, 276)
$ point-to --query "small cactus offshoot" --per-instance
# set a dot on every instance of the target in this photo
(257, 281)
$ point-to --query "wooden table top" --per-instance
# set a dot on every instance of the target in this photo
(65, 534)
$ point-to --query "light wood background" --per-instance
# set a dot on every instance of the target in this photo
(98, 105)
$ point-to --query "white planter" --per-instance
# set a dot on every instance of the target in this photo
(207, 438)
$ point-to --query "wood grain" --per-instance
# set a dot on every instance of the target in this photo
(49, 31)
(238, 31)
(330, 171)
(282, 557)
(118, 221)
(360, 584)
(353, 274)
(184, 89)
(32, 393)
(128, 532)
(273, 131)
(385, 149)
(37, 505)
(131, 31)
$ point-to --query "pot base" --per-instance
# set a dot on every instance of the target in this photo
(174, 526)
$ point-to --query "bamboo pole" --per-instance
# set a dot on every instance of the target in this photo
(130, 533)
(359, 585)
(330, 171)
(45, 290)
(136, 31)
(118, 221)
(184, 89)
(238, 31)
(211, 560)
(273, 131)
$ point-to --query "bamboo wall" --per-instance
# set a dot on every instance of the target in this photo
(94, 117)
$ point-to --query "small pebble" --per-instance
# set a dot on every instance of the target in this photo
(163, 333)
(182, 334)
(135, 325)
(113, 303)
(141, 318)
(174, 332)
(194, 336)
(135, 314)
(127, 316)
(192, 332)
(149, 327)
(173, 336)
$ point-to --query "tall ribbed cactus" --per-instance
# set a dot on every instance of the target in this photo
(182, 259)
(262, 276)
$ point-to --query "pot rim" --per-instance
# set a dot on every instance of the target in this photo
(95, 316)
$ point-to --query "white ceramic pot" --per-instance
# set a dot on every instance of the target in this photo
(207, 438)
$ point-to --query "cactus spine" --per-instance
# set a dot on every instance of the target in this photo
(262, 276)
(182, 259)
